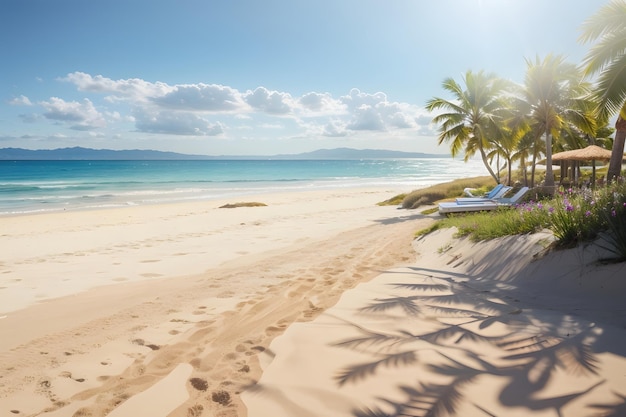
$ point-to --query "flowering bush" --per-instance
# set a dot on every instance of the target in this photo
(573, 216)
(612, 209)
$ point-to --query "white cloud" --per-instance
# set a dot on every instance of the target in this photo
(184, 109)
(335, 128)
(271, 126)
(133, 88)
(176, 123)
(201, 97)
(272, 102)
(20, 101)
(366, 118)
(375, 112)
(321, 104)
(81, 116)
(425, 125)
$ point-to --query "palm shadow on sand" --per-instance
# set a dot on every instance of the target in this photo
(533, 349)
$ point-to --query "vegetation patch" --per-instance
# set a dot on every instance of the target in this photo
(244, 204)
(573, 216)
(431, 195)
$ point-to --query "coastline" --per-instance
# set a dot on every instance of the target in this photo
(234, 312)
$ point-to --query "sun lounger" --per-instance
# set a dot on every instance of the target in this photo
(454, 207)
(514, 199)
(482, 205)
(490, 194)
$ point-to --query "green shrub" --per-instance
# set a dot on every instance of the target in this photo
(611, 206)
(434, 193)
(573, 216)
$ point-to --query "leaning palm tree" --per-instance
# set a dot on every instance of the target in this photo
(608, 57)
(468, 121)
(552, 88)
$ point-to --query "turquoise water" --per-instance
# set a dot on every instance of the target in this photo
(48, 186)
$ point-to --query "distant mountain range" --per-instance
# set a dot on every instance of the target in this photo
(78, 153)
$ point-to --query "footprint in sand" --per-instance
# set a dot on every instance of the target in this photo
(273, 330)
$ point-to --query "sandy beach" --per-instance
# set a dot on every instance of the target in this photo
(98, 307)
(320, 304)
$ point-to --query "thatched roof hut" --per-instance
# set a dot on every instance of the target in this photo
(591, 153)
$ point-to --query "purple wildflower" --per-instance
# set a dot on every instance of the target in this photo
(587, 213)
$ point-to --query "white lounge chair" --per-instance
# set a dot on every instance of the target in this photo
(490, 194)
(487, 205)
(495, 196)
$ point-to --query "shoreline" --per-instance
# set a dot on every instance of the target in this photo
(236, 311)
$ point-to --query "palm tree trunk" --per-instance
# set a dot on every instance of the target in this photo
(524, 170)
(509, 168)
(549, 182)
(617, 154)
(483, 155)
(533, 169)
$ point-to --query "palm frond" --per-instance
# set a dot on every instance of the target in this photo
(604, 51)
(611, 88)
(609, 18)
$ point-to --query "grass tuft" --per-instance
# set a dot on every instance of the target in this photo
(244, 204)
(430, 195)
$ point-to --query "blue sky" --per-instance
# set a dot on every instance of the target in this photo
(252, 77)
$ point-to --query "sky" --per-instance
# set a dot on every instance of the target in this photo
(258, 77)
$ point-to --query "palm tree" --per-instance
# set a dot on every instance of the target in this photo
(506, 146)
(552, 90)
(471, 120)
(608, 57)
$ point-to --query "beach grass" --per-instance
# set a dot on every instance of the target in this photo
(431, 195)
(244, 204)
(573, 215)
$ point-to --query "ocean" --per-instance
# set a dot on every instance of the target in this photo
(49, 186)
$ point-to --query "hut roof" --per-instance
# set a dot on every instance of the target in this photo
(590, 153)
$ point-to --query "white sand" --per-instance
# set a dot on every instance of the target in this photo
(100, 306)
(320, 304)
(492, 329)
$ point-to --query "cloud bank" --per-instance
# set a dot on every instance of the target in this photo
(217, 110)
